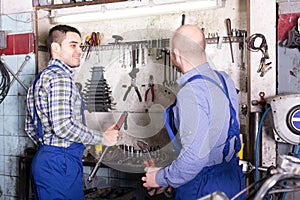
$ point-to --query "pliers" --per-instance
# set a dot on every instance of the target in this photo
(150, 88)
(135, 88)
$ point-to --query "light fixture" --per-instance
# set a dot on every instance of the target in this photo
(103, 12)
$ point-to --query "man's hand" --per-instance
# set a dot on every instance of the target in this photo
(149, 179)
(111, 135)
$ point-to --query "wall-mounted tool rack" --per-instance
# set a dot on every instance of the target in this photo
(158, 43)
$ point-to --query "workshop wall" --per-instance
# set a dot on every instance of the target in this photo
(13, 141)
(18, 20)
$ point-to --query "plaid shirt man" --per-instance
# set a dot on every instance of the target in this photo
(58, 105)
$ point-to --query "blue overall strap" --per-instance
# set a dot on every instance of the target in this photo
(168, 116)
(39, 132)
(233, 127)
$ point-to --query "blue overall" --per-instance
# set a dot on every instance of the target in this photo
(226, 176)
(57, 171)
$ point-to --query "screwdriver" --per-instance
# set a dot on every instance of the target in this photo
(229, 34)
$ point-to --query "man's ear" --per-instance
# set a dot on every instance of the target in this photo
(177, 55)
(55, 48)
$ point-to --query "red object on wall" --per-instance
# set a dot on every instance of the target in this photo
(285, 23)
(19, 44)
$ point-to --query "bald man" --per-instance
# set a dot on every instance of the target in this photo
(204, 124)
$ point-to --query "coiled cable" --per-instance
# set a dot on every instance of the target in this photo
(4, 82)
(263, 47)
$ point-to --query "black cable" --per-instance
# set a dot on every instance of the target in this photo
(4, 82)
(263, 47)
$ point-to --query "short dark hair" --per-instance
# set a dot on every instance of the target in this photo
(57, 34)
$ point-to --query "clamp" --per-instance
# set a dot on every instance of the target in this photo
(150, 88)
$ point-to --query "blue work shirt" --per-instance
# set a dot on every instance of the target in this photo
(201, 116)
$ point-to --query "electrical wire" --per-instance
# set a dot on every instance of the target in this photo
(258, 140)
(263, 47)
(4, 82)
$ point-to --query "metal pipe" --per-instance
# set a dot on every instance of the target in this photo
(254, 124)
(272, 181)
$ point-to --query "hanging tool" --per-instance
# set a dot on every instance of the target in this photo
(229, 34)
(170, 70)
(117, 127)
(132, 75)
(117, 39)
(14, 75)
(27, 58)
(150, 88)
(242, 48)
(165, 69)
(182, 19)
(133, 84)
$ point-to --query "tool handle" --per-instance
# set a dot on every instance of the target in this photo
(121, 120)
(183, 19)
(95, 169)
(98, 38)
(138, 94)
(126, 93)
(228, 27)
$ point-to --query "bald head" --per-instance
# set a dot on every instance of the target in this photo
(188, 47)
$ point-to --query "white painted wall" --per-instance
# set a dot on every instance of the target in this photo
(15, 6)
(263, 22)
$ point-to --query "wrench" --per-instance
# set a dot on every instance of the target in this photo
(170, 71)
(20, 69)
(14, 75)
(165, 69)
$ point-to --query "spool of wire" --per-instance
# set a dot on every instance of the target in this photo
(4, 82)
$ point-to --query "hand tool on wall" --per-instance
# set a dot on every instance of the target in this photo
(143, 55)
(150, 47)
(229, 34)
(13, 74)
(170, 70)
(117, 39)
(123, 58)
(242, 33)
(132, 75)
(165, 68)
(133, 85)
(117, 127)
(182, 19)
(158, 49)
(150, 88)
(27, 58)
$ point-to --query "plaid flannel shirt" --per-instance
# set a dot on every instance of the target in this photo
(58, 105)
